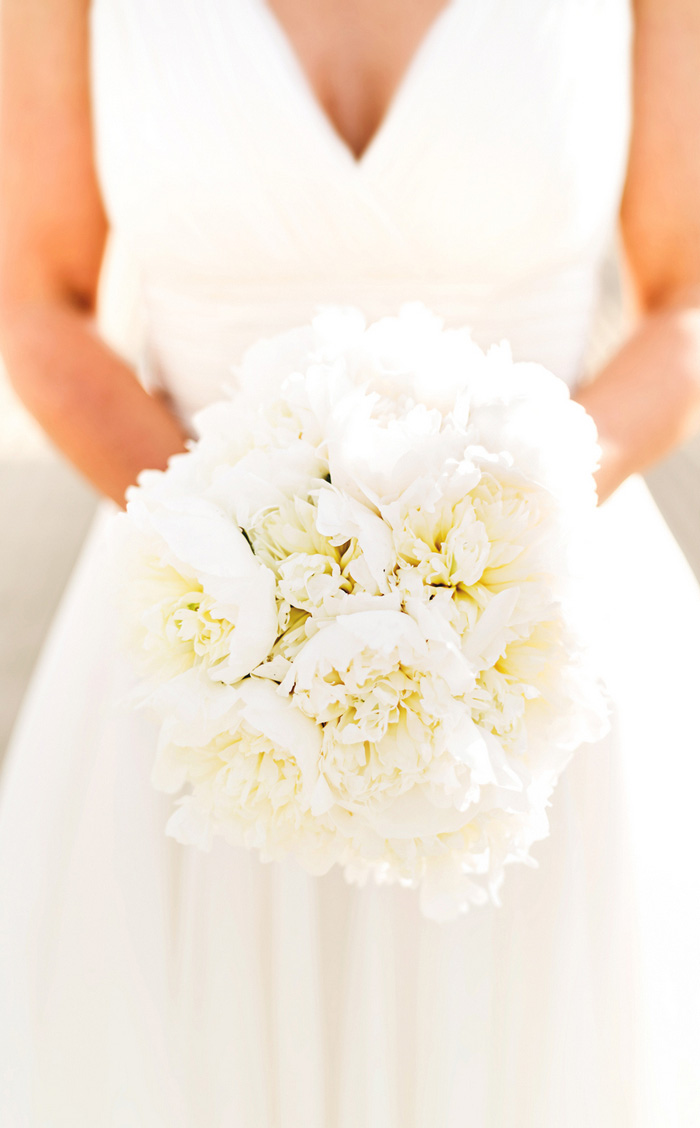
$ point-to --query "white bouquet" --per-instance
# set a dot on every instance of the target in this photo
(353, 600)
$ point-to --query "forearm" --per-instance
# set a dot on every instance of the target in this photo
(646, 400)
(85, 396)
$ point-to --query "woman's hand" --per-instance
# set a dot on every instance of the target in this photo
(53, 231)
(647, 399)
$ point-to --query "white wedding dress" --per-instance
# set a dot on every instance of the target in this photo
(148, 985)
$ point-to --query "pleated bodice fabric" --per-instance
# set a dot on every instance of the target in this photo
(490, 190)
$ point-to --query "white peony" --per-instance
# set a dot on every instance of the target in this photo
(355, 600)
(197, 595)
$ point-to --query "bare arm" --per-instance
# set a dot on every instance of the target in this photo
(52, 238)
(647, 399)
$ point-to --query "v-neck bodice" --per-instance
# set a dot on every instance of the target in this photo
(300, 86)
(490, 189)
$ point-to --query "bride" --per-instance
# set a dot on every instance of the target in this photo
(248, 159)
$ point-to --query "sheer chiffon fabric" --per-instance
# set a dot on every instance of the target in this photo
(147, 984)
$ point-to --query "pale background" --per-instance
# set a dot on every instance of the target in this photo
(45, 510)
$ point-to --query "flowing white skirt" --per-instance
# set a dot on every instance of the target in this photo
(147, 985)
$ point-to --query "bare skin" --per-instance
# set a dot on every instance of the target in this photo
(53, 226)
(647, 400)
(53, 231)
(355, 54)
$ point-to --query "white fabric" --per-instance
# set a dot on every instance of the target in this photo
(147, 985)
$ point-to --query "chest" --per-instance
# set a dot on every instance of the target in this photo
(355, 54)
(501, 152)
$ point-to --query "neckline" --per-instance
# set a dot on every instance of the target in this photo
(301, 86)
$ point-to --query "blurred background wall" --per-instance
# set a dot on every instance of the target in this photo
(45, 510)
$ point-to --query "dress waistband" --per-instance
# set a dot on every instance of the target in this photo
(196, 331)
